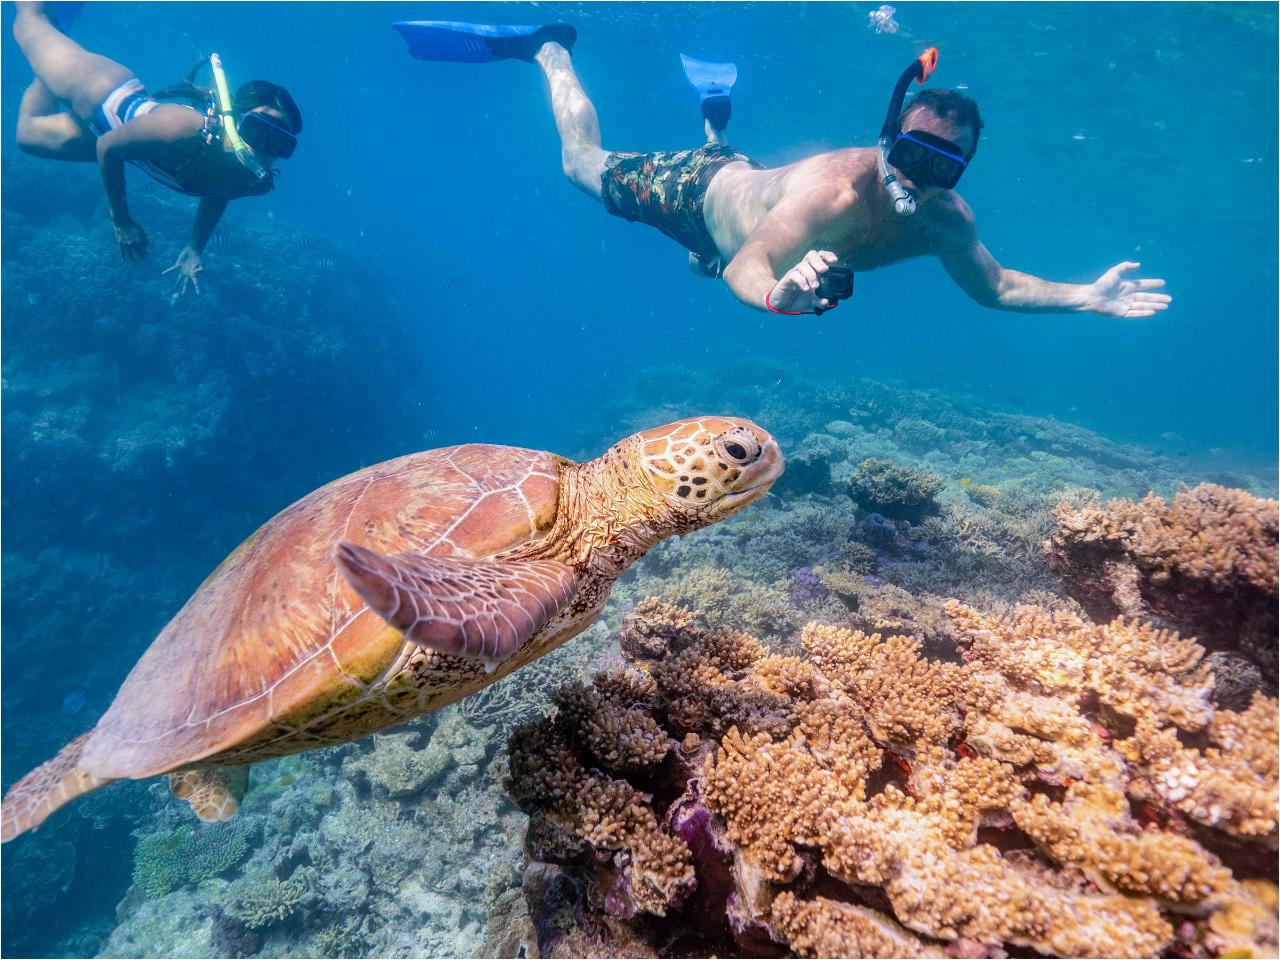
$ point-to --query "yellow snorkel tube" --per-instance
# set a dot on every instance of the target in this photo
(227, 110)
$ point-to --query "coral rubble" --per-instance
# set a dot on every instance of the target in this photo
(1069, 789)
(1204, 563)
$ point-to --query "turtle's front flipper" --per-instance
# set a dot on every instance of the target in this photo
(487, 609)
(213, 792)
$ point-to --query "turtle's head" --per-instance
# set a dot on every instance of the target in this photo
(708, 468)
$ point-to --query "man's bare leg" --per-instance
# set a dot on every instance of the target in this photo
(576, 120)
(46, 130)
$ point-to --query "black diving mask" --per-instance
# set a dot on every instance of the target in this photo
(928, 159)
(265, 135)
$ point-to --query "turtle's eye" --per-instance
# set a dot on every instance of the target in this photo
(739, 447)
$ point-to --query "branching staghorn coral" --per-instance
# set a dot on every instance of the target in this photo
(1204, 563)
(862, 800)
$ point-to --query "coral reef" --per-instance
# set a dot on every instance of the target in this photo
(1070, 789)
(898, 492)
(1204, 563)
(266, 902)
(396, 767)
(581, 808)
(166, 860)
(734, 601)
(879, 607)
(405, 843)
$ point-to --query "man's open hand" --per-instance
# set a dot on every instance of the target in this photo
(1113, 296)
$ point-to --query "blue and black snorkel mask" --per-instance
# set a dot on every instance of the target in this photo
(265, 135)
(923, 156)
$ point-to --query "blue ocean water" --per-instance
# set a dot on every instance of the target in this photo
(424, 275)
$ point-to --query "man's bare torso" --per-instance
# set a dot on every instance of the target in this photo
(860, 225)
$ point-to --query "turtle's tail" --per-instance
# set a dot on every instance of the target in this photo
(46, 788)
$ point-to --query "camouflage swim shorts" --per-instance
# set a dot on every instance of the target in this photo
(665, 190)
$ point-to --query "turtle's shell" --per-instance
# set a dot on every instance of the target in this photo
(275, 632)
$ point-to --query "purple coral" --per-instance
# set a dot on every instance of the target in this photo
(807, 588)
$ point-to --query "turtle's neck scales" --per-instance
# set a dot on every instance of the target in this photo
(608, 515)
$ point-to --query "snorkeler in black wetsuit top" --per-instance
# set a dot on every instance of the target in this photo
(86, 107)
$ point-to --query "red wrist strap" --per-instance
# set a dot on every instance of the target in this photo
(785, 313)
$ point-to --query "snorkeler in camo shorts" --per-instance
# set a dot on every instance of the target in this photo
(788, 239)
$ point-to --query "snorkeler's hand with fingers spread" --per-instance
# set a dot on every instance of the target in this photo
(799, 290)
(132, 239)
(189, 264)
(1113, 296)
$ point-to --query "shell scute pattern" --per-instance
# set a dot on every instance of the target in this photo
(276, 641)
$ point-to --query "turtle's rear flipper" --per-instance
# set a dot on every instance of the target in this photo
(486, 609)
(46, 788)
(213, 792)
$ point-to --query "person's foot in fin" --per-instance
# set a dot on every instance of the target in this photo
(714, 83)
(481, 42)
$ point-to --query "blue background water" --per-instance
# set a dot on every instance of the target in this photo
(1114, 131)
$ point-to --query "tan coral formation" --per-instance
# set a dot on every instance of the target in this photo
(829, 928)
(606, 724)
(919, 844)
(1040, 796)
(886, 609)
(1069, 789)
(610, 718)
(1211, 532)
(1204, 563)
(608, 813)
(1229, 785)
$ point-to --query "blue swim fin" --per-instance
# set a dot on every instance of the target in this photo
(714, 82)
(480, 42)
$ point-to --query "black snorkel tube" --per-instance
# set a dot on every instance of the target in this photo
(904, 202)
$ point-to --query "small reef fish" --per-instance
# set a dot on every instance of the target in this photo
(217, 241)
(325, 263)
(306, 241)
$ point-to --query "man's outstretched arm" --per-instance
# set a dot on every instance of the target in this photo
(978, 273)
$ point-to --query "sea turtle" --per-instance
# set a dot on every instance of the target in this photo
(389, 593)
